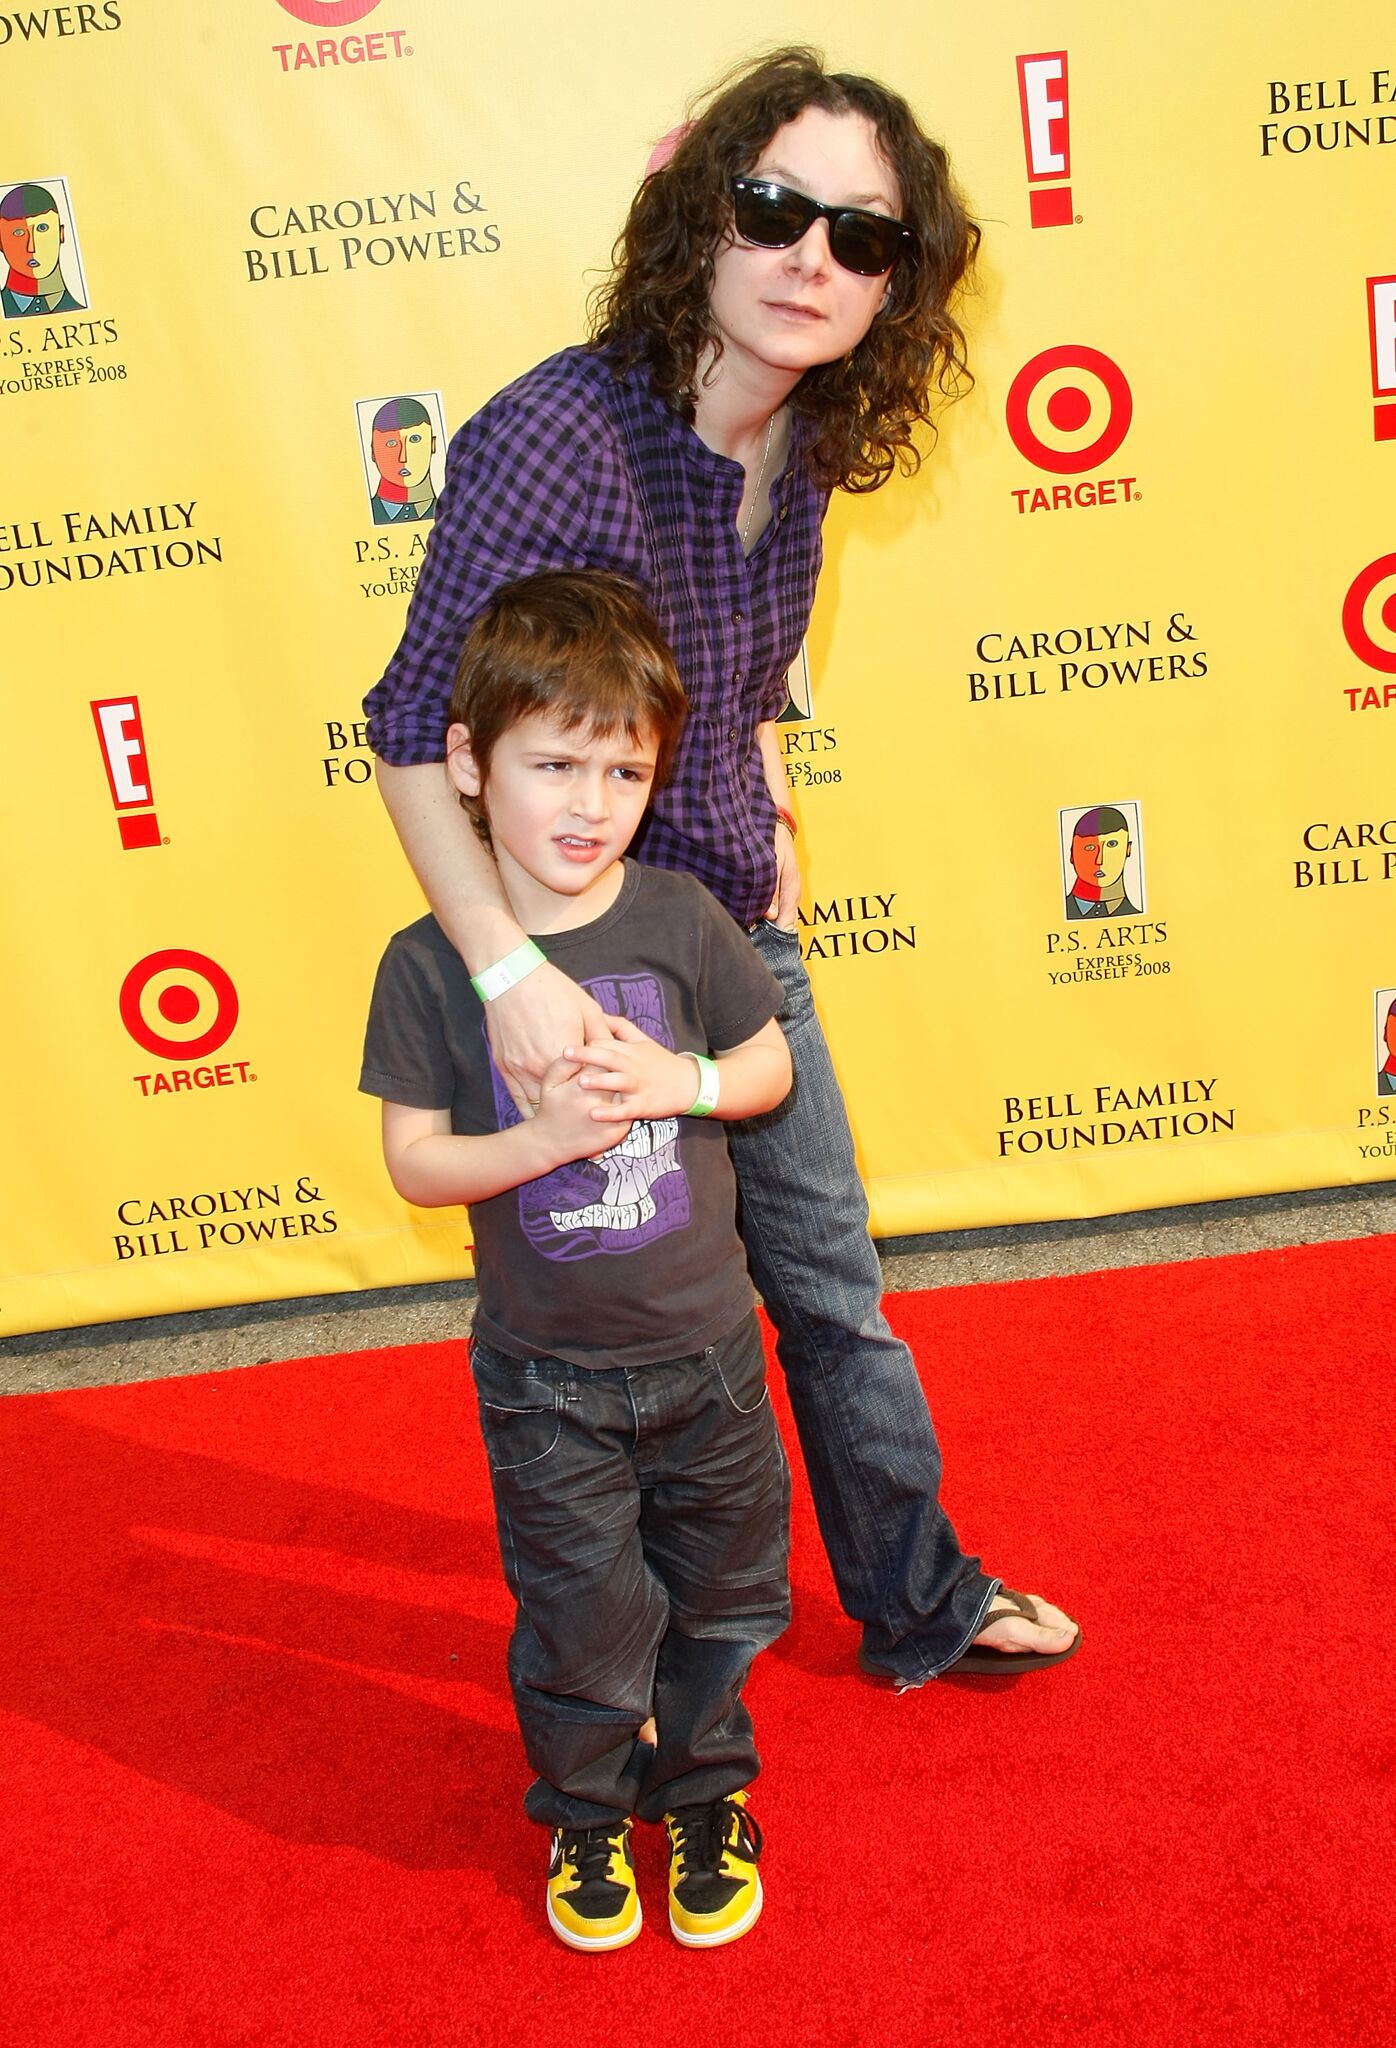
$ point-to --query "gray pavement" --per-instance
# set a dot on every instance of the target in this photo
(211, 1340)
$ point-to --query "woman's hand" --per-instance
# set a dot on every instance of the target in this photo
(531, 1022)
(785, 904)
(567, 1119)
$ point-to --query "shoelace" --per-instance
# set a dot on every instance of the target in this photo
(589, 1851)
(706, 1832)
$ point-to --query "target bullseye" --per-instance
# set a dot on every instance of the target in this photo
(178, 1004)
(1047, 426)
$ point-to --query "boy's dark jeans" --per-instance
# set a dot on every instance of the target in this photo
(643, 1526)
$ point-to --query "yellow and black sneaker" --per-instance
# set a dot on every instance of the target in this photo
(592, 1900)
(714, 1885)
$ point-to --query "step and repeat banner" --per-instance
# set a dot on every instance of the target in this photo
(1092, 743)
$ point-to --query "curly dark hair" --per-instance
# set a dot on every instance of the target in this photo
(654, 307)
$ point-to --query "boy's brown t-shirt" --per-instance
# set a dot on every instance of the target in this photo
(632, 1257)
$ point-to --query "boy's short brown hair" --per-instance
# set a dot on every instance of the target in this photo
(581, 645)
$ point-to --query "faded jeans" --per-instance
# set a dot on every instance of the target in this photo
(866, 1432)
(643, 1524)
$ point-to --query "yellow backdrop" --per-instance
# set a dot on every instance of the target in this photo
(1136, 619)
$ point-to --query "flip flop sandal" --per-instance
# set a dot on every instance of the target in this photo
(976, 1659)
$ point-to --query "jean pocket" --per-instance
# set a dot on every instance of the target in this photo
(516, 1437)
(519, 1413)
(741, 1367)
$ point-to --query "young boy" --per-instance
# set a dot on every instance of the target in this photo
(640, 1488)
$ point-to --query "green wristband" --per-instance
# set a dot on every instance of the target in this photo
(508, 972)
(709, 1082)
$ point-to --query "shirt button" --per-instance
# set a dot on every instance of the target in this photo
(734, 733)
(739, 675)
(737, 618)
(782, 512)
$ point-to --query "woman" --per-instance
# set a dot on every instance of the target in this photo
(778, 315)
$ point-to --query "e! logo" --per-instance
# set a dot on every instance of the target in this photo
(179, 1005)
(1369, 615)
(328, 13)
(119, 735)
(1069, 409)
(1046, 137)
(1381, 328)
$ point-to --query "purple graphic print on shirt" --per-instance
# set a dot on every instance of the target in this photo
(634, 1193)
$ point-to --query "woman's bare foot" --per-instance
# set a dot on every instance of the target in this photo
(1008, 1629)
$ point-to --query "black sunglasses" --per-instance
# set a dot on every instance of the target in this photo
(774, 217)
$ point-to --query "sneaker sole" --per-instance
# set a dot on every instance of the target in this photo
(722, 1934)
(593, 1944)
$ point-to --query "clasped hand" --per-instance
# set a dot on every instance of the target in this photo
(638, 1076)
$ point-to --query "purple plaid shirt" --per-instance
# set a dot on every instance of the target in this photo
(574, 467)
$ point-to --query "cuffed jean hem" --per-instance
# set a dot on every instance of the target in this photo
(906, 1666)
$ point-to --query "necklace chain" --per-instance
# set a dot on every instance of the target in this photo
(760, 479)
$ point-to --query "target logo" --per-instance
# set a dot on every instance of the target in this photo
(328, 52)
(1381, 328)
(329, 13)
(1369, 627)
(1069, 409)
(1042, 101)
(178, 1004)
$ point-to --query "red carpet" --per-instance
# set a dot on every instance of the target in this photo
(260, 1783)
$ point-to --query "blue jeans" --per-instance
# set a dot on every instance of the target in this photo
(643, 1520)
(868, 1441)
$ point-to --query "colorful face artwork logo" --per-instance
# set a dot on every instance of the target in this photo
(633, 1194)
(1369, 615)
(42, 269)
(329, 13)
(402, 441)
(1069, 409)
(1385, 1003)
(178, 1004)
(1102, 861)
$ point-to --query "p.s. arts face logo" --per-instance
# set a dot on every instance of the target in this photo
(1042, 101)
(1069, 410)
(179, 1005)
(1369, 627)
(1105, 933)
(1384, 1003)
(122, 741)
(402, 453)
(42, 267)
(328, 52)
(402, 444)
(1102, 855)
(42, 286)
(1378, 1113)
(1381, 332)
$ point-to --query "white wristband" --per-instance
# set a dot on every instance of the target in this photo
(508, 972)
(709, 1086)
